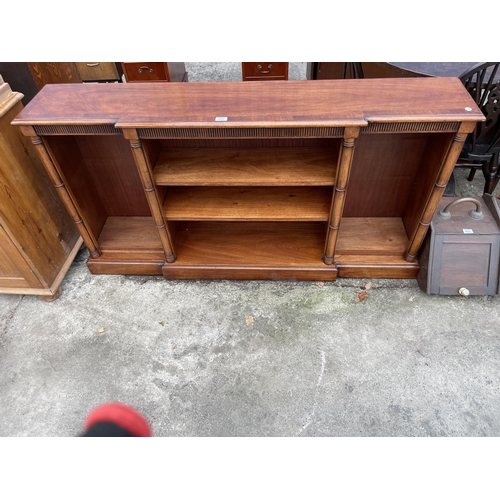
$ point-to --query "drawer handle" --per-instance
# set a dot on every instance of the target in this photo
(269, 68)
(150, 70)
(92, 65)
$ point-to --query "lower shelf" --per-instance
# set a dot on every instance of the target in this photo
(129, 245)
(373, 247)
(250, 250)
(366, 248)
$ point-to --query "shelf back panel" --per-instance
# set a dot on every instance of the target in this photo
(111, 166)
(384, 170)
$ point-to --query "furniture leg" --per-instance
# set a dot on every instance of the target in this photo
(51, 298)
(472, 173)
(491, 174)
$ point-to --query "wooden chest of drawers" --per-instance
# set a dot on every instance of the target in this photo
(264, 71)
(154, 71)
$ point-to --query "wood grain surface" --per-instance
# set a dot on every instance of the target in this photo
(31, 212)
(130, 238)
(248, 203)
(257, 204)
(250, 244)
(372, 236)
(246, 167)
(292, 103)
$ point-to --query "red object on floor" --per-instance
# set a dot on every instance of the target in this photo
(122, 415)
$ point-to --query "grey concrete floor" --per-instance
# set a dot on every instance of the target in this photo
(231, 71)
(252, 358)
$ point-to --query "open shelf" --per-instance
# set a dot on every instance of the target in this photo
(248, 203)
(373, 247)
(250, 250)
(131, 244)
(131, 235)
(246, 167)
(372, 236)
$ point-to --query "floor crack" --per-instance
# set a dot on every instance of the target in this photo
(9, 318)
(310, 417)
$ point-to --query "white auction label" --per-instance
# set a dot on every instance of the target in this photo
(221, 118)
(468, 231)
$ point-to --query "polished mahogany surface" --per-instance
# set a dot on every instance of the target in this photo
(252, 104)
(253, 180)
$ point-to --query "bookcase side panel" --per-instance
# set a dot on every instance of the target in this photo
(65, 152)
(428, 170)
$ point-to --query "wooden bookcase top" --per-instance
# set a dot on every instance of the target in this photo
(324, 103)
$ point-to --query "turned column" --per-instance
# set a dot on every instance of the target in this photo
(146, 175)
(57, 177)
(448, 164)
(340, 190)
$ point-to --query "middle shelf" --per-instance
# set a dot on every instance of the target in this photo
(281, 184)
(248, 203)
(294, 166)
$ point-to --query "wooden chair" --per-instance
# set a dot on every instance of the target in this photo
(355, 70)
(482, 147)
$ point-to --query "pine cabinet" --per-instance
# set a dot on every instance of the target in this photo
(38, 239)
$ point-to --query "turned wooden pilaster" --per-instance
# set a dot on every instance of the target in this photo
(146, 176)
(339, 192)
(442, 179)
(57, 179)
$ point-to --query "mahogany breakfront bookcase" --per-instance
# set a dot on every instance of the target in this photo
(305, 180)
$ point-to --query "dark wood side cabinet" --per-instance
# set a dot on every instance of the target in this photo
(252, 71)
(38, 239)
(298, 180)
(461, 252)
(154, 71)
(493, 203)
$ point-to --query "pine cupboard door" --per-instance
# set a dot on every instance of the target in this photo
(14, 270)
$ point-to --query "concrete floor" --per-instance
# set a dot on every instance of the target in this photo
(252, 358)
(231, 71)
